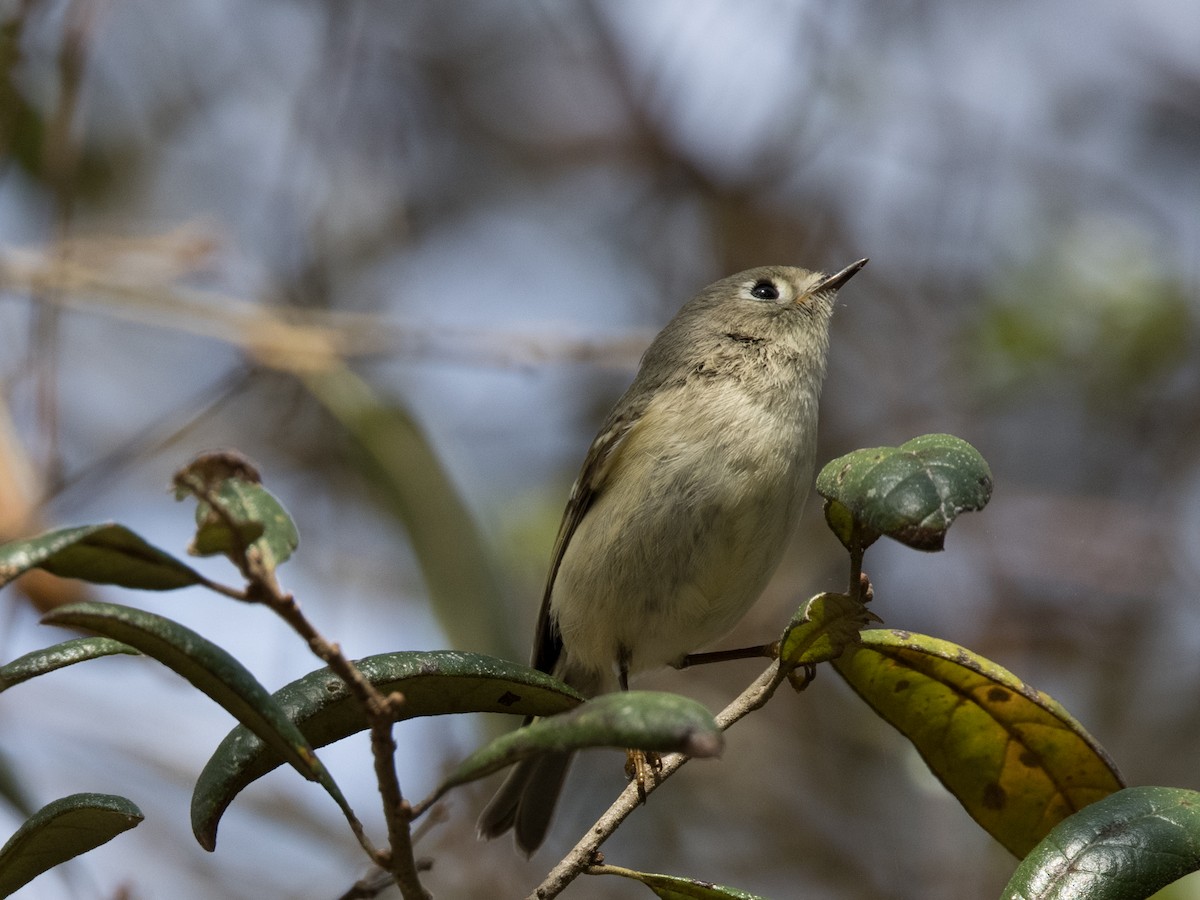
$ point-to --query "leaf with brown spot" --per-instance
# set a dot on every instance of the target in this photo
(1015, 759)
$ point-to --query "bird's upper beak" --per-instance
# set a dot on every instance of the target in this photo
(833, 282)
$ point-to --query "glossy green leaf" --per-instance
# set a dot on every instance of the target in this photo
(1014, 758)
(645, 720)
(432, 682)
(1125, 847)
(39, 662)
(210, 668)
(670, 887)
(823, 628)
(234, 512)
(61, 831)
(911, 493)
(101, 554)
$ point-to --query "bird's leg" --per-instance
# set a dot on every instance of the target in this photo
(643, 767)
(640, 765)
(771, 651)
(864, 592)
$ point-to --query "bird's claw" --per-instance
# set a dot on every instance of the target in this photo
(643, 767)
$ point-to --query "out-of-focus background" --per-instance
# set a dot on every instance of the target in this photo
(405, 256)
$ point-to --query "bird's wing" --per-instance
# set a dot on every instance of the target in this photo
(602, 456)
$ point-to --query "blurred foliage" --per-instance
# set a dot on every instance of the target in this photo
(40, 147)
(22, 134)
(1099, 310)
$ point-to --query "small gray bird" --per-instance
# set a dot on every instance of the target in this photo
(685, 503)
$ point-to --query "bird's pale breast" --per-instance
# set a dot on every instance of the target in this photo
(669, 558)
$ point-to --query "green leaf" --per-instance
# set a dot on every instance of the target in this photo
(102, 554)
(911, 493)
(670, 887)
(39, 662)
(235, 512)
(210, 668)
(216, 538)
(322, 707)
(260, 520)
(1125, 847)
(842, 523)
(822, 629)
(644, 720)
(1014, 758)
(61, 831)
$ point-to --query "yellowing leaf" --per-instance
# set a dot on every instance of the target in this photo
(822, 628)
(1014, 758)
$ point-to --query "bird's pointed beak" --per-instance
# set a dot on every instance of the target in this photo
(833, 282)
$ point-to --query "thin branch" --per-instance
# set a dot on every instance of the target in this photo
(381, 710)
(85, 277)
(226, 591)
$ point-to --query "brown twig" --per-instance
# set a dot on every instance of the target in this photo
(381, 710)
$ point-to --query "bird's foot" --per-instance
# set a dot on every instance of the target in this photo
(643, 767)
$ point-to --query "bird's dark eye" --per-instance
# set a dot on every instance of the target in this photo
(764, 290)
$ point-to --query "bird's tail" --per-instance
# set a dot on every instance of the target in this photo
(526, 800)
(527, 797)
